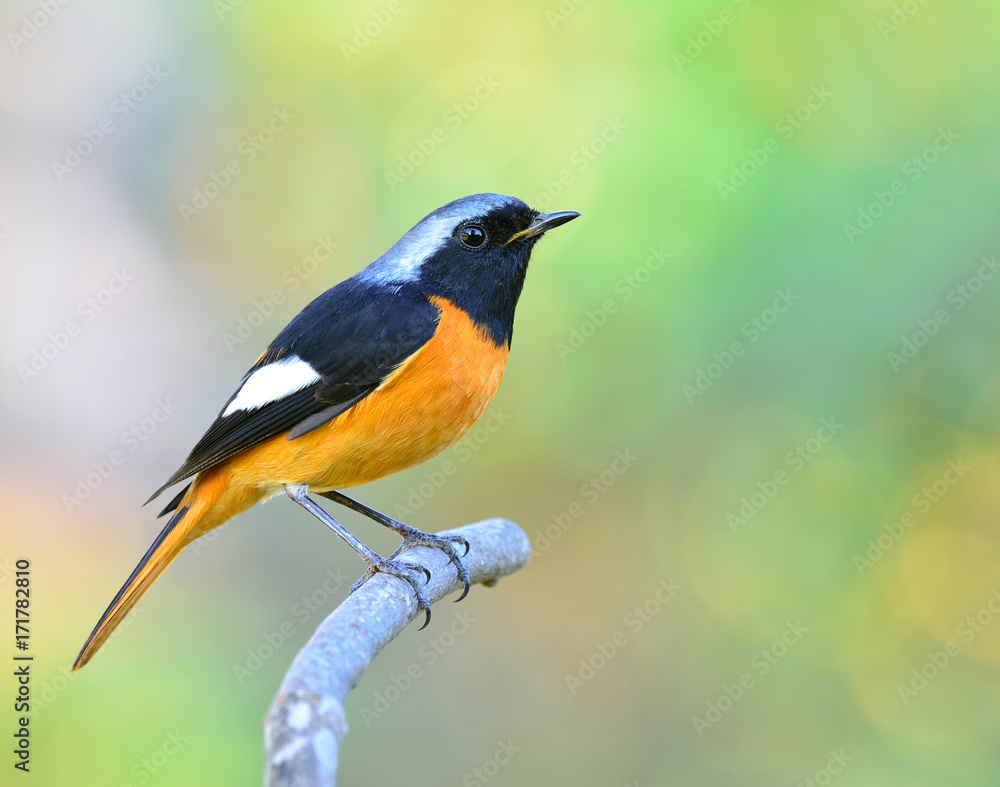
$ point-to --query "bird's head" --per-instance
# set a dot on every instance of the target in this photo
(474, 252)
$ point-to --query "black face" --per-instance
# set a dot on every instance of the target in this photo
(481, 266)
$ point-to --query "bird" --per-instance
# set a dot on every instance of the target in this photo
(381, 372)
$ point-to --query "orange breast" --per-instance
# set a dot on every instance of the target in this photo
(418, 411)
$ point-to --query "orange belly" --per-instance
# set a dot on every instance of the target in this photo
(420, 410)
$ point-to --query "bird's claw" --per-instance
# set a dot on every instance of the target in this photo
(406, 571)
(402, 570)
(416, 538)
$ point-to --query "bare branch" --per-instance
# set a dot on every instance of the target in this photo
(306, 721)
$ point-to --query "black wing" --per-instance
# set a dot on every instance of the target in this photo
(353, 336)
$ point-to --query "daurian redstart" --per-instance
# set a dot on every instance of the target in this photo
(381, 372)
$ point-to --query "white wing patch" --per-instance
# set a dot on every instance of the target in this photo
(271, 383)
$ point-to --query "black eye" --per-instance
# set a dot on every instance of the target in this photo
(472, 235)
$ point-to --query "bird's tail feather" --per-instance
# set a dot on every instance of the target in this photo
(210, 501)
(167, 546)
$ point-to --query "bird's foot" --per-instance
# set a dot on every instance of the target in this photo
(408, 572)
(411, 538)
(418, 538)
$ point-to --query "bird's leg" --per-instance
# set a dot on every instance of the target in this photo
(411, 538)
(376, 563)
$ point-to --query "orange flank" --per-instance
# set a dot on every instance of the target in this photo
(440, 390)
(421, 409)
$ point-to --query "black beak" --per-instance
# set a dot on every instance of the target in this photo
(543, 222)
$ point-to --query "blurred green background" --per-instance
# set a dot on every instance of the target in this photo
(749, 418)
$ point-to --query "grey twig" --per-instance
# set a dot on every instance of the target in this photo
(306, 721)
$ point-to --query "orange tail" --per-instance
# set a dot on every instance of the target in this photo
(209, 502)
(167, 546)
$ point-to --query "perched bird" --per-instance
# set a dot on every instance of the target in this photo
(379, 373)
